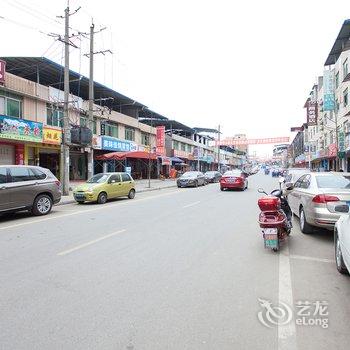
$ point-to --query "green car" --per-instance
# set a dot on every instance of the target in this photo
(104, 186)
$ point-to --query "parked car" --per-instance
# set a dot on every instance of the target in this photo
(313, 196)
(342, 239)
(104, 186)
(234, 179)
(191, 179)
(212, 176)
(28, 188)
(291, 177)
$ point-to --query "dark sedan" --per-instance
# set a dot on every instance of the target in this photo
(212, 176)
(191, 179)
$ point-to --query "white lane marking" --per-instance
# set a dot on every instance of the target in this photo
(68, 251)
(286, 333)
(191, 204)
(101, 207)
(311, 258)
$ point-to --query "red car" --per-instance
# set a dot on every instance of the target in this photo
(234, 179)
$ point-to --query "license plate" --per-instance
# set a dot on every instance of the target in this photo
(79, 196)
(232, 179)
(271, 237)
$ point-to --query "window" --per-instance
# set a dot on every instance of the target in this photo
(3, 175)
(183, 147)
(345, 68)
(94, 126)
(345, 97)
(54, 116)
(337, 80)
(111, 129)
(145, 139)
(21, 174)
(126, 177)
(39, 175)
(83, 121)
(115, 178)
(10, 104)
(176, 145)
(2, 105)
(130, 134)
(332, 181)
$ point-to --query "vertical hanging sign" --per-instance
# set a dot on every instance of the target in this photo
(2, 71)
(328, 91)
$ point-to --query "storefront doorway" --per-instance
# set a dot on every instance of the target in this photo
(50, 160)
(7, 154)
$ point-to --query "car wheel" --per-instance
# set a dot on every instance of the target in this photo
(131, 194)
(80, 202)
(339, 257)
(196, 184)
(102, 198)
(42, 205)
(221, 188)
(304, 226)
(246, 186)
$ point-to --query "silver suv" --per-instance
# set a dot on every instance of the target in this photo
(28, 188)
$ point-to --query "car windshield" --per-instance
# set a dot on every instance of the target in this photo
(333, 181)
(210, 173)
(190, 174)
(99, 178)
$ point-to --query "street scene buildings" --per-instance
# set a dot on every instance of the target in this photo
(31, 105)
(323, 141)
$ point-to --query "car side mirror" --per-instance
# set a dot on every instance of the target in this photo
(289, 186)
(281, 180)
(343, 208)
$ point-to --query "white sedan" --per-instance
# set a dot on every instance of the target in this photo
(342, 239)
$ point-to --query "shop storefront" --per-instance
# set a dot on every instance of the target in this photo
(15, 135)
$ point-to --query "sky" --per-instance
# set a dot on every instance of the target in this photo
(246, 65)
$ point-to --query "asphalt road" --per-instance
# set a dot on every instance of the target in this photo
(171, 269)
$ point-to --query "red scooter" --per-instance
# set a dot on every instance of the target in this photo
(275, 218)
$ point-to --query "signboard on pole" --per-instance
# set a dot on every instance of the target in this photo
(160, 140)
(312, 112)
(328, 91)
(2, 71)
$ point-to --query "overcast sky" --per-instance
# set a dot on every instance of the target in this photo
(247, 65)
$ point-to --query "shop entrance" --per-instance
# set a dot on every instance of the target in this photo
(50, 160)
(7, 155)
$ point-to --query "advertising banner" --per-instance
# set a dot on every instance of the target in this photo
(113, 144)
(311, 112)
(2, 71)
(52, 136)
(160, 140)
(20, 129)
(328, 91)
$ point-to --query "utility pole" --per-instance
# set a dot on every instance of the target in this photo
(66, 139)
(219, 166)
(91, 93)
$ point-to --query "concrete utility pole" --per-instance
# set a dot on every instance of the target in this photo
(66, 131)
(91, 93)
(219, 166)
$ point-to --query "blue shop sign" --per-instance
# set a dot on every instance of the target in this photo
(113, 144)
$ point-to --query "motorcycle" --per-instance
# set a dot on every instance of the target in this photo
(267, 171)
(275, 218)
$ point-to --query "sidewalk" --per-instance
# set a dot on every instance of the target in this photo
(141, 186)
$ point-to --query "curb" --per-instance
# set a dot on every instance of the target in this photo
(71, 201)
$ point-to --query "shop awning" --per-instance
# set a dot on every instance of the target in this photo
(176, 160)
(124, 155)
